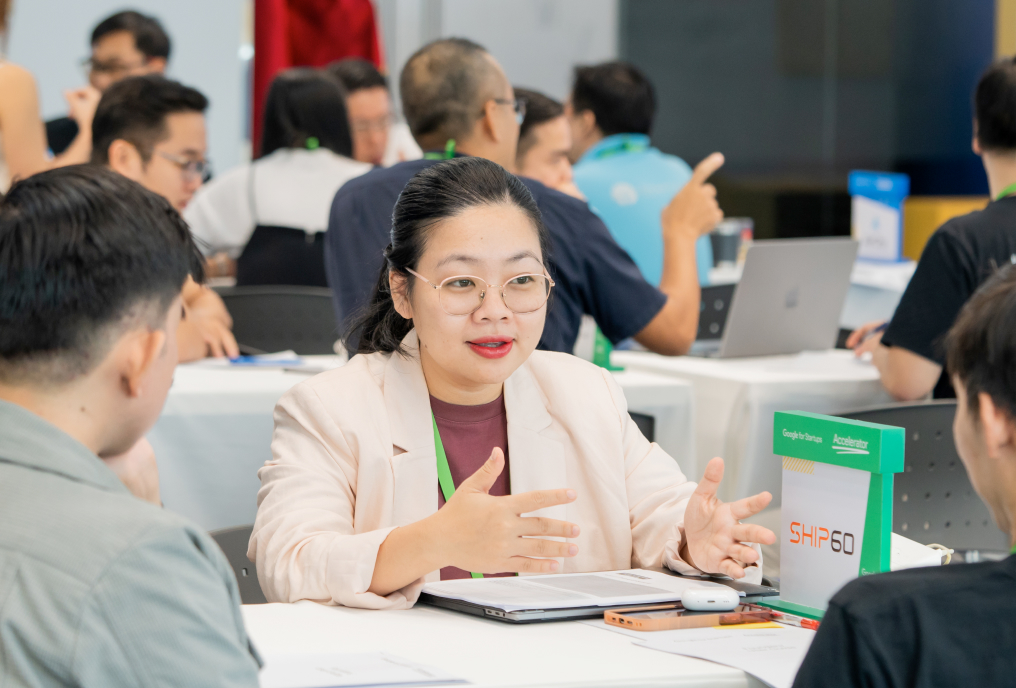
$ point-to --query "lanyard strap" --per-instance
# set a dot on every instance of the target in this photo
(444, 472)
(622, 147)
(449, 152)
(1007, 191)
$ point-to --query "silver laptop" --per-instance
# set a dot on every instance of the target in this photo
(789, 299)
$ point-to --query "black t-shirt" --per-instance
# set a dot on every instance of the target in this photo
(959, 257)
(593, 273)
(948, 626)
(60, 133)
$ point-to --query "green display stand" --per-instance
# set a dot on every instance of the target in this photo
(837, 475)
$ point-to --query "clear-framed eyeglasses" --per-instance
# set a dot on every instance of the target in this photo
(190, 168)
(464, 294)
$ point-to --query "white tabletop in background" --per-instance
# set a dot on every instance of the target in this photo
(486, 653)
(735, 400)
(215, 432)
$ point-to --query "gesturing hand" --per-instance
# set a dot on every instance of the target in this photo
(693, 211)
(486, 534)
(713, 529)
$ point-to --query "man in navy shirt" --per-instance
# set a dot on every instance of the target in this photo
(458, 101)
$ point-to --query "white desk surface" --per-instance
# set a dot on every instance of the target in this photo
(215, 432)
(486, 653)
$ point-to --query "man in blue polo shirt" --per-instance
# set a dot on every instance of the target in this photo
(458, 101)
(627, 181)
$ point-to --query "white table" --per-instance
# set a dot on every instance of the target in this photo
(485, 653)
(735, 400)
(215, 433)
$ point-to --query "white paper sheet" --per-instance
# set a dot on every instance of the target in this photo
(349, 671)
(772, 655)
(558, 591)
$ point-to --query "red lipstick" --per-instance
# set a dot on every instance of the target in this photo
(491, 347)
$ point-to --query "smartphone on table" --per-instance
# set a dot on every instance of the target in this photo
(667, 617)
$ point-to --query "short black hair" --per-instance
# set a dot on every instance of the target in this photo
(149, 36)
(306, 107)
(135, 109)
(356, 74)
(84, 252)
(995, 107)
(618, 94)
(539, 109)
(981, 345)
(443, 87)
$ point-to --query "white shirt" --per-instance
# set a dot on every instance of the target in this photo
(292, 187)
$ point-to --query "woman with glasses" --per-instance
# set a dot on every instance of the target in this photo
(23, 149)
(270, 215)
(449, 447)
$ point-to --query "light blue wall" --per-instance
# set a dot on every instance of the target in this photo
(50, 38)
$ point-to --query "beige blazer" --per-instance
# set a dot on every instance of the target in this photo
(354, 459)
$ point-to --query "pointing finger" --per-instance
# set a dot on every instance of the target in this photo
(749, 506)
(747, 532)
(549, 527)
(540, 499)
(705, 169)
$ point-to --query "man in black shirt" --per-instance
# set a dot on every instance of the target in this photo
(457, 100)
(948, 626)
(125, 44)
(960, 255)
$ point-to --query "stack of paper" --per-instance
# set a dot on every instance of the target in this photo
(561, 591)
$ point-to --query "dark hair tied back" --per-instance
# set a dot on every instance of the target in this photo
(436, 193)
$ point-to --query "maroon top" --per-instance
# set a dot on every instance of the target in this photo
(469, 434)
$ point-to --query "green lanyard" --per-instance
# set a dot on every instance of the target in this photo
(449, 152)
(1007, 191)
(444, 472)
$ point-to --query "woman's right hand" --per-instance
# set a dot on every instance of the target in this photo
(81, 103)
(486, 534)
(858, 336)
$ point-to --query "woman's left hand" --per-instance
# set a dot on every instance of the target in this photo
(713, 531)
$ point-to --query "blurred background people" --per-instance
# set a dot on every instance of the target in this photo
(264, 222)
(377, 137)
(961, 254)
(627, 181)
(458, 101)
(152, 130)
(124, 44)
(22, 135)
(545, 143)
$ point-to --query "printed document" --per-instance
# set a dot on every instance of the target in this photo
(349, 671)
(560, 591)
(772, 655)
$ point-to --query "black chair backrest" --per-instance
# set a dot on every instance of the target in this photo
(933, 500)
(279, 318)
(233, 543)
(713, 310)
(645, 423)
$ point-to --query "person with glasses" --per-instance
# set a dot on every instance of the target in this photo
(457, 102)
(545, 143)
(152, 130)
(124, 44)
(417, 460)
(265, 221)
(377, 137)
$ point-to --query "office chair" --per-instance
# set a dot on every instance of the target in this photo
(233, 543)
(267, 319)
(933, 500)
